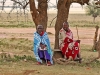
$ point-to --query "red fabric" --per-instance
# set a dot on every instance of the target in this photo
(41, 33)
(73, 52)
(70, 52)
(68, 40)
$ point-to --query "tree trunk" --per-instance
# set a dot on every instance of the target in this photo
(39, 15)
(62, 16)
(95, 38)
(98, 47)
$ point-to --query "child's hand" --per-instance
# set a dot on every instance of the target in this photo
(78, 41)
(42, 46)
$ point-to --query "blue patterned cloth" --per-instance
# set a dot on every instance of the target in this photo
(42, 39)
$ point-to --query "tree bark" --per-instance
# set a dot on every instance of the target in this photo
(62, 16)
(95, 38)
(98, 47)
(39, 14)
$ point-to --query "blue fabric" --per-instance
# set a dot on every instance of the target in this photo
(41, 39)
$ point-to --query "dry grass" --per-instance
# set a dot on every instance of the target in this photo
(80, 20)
(19, 41)
(30, 67)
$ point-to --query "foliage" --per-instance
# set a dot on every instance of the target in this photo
(91, 9)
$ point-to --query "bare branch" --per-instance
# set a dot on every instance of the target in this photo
(20, 3)
(52, 20)
(97, 3)
(3, 3)
(25, 5)
(17, 2)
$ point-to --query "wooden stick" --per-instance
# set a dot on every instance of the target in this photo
(95, 38)
(77, 32)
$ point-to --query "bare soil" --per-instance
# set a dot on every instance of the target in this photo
(86, 35)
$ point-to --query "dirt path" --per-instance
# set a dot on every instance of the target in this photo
(86, 35)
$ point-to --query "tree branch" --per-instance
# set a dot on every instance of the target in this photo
(17, 2)
(25, 5)
(20, 3)
(82, 2)
(97, 3)
(52, 20)
(3, 3)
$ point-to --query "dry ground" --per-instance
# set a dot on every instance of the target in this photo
(86, 35)
(29, 68)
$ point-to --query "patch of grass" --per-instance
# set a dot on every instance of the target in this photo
(83, 23)
(20, 61)
(81, 20)
(17, 25)
(15, 43)
(95, 64)
(17, 58)
(84, 47)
